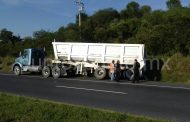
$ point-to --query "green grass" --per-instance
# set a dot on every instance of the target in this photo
(6, 64)
(23, 109)
(179, 69)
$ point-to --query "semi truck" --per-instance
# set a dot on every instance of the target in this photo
(81, 58)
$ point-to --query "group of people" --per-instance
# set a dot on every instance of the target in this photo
(115, 70)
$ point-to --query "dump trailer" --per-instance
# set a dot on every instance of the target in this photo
(94, 58)
(86, 59)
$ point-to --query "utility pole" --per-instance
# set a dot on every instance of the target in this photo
(80, 5)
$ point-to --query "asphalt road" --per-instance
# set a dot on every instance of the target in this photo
(158, 101)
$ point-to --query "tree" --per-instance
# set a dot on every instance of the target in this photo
(155, 18)
(72, 32)
(60, 34)
(164, 32)
(101, 35)
(87, 31)
(84, 17)
(145, 10)
(103, 17)
(173, 4)
(6, 35)
(133, 6)
(131, 11)
(44, 39)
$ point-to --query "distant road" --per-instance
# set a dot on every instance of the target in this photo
(158, 101)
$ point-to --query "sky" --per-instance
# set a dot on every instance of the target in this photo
(23, 17)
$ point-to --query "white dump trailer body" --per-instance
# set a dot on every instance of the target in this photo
(99, 52)
(89, 58)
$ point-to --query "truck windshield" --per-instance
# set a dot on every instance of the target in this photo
(25, 54)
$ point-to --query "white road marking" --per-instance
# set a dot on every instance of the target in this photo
(132, 84)
(111, 82)
(158, 86)
(95, 90)
(95, 81)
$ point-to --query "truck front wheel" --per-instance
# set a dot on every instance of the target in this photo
(56, 72)
(17, 70)
(100, 73)
(46, 72)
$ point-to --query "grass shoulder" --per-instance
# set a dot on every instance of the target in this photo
(24, 109)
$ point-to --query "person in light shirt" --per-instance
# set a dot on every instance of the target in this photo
(112, 70)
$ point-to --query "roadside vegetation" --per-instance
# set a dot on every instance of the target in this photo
(179, 68)
(165, 33)
(23, 109)
(6, 63)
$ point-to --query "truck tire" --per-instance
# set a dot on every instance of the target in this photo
(128, 74)
(46, 72)
(56, 72)
(100, 73)
(17, 70)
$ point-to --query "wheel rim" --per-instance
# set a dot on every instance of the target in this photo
(100, 72)
(17, 71)
(129, 74)
(56, 72)
(46, 72)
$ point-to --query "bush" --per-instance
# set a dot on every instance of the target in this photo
(6, 64)
(179, 68)
(1, 63)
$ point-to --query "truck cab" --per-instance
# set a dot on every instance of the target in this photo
(30, 60)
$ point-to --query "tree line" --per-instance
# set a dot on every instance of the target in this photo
(164, 32)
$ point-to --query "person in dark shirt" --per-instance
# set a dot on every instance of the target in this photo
(117, 71)
(136, 67)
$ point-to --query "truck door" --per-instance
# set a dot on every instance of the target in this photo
(25, 58)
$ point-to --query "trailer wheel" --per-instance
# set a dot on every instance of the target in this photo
(46, 72)
(128, 74)
(56, 72)
(17, 70)
(100, 73)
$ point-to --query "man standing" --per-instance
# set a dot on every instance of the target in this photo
(117, 71)
(112, 68)
(136, 71)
